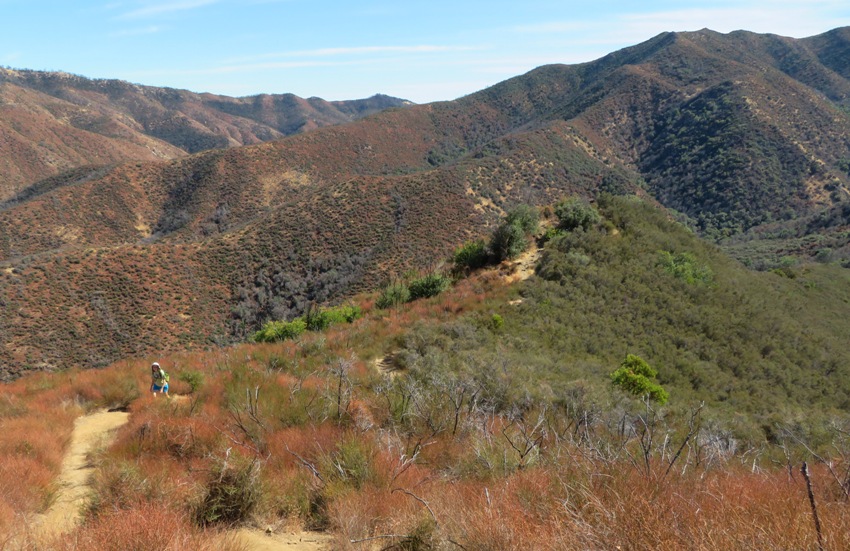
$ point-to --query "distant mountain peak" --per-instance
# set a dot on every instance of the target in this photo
(73, 121)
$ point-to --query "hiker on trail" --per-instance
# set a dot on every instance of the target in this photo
(159, 380)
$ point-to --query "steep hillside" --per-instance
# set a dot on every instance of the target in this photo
(53, 122)
(301, 240)
(734, 133)
(833, 50)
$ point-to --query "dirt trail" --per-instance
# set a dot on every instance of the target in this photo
(522, 267)
(256, 540)
(96, 429)
(90, 431)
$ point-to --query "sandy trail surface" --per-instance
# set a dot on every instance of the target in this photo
(74, 486)
(256, 540)
(90, 432)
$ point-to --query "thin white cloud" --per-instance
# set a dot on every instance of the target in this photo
(424, 48)
(153, 10)
(153, 29)
(268, 63)
(555, 27)
(299, 64)
(791, 20)
(226, 69)
(10, 57)
(249, 67)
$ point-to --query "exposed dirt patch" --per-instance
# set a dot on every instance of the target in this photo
(90, 432)
(521, 268)
(387, 365)
(255, 540)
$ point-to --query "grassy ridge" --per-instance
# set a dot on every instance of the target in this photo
(760, 345)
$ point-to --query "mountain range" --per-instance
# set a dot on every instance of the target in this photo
(136, 219)
(54, 122)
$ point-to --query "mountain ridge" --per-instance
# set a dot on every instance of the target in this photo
(51, 121)
(713, 127)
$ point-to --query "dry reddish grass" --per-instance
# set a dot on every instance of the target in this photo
(532, 510)
(142, 529)
(33, 435)
(569, 498)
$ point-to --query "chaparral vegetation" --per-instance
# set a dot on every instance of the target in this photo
(431, 425)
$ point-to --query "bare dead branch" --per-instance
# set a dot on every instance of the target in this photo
(805, 470)
(420, 500)
(693, 428)
(305, 463)
(380, 537)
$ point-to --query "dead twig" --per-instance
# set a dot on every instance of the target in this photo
(305, 463)
(805, 470)
(693, 428)
(420, 500)
(380, 537)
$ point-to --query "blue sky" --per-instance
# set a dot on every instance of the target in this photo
(422, 51)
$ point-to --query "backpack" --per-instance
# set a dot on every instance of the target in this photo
(165, 375)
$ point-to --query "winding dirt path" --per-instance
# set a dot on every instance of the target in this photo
(90, 431)
(74, 485)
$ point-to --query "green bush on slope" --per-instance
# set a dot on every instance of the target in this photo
(513, 236)
(316, 319)
(635, 377)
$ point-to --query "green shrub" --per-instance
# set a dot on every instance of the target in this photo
(513, 236)
(685, 267)
(317, 319)
(550, 234)
(349, 465)
(421, 538)
(508, 242)
(429, 285)
(394, 294)
(634, 376)
(470, 256)
(347, 313)
(574, 213)
(496, 322)
(526, 217)
(120, 485)
(275, 331)
(195, 379)
(119, 393)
